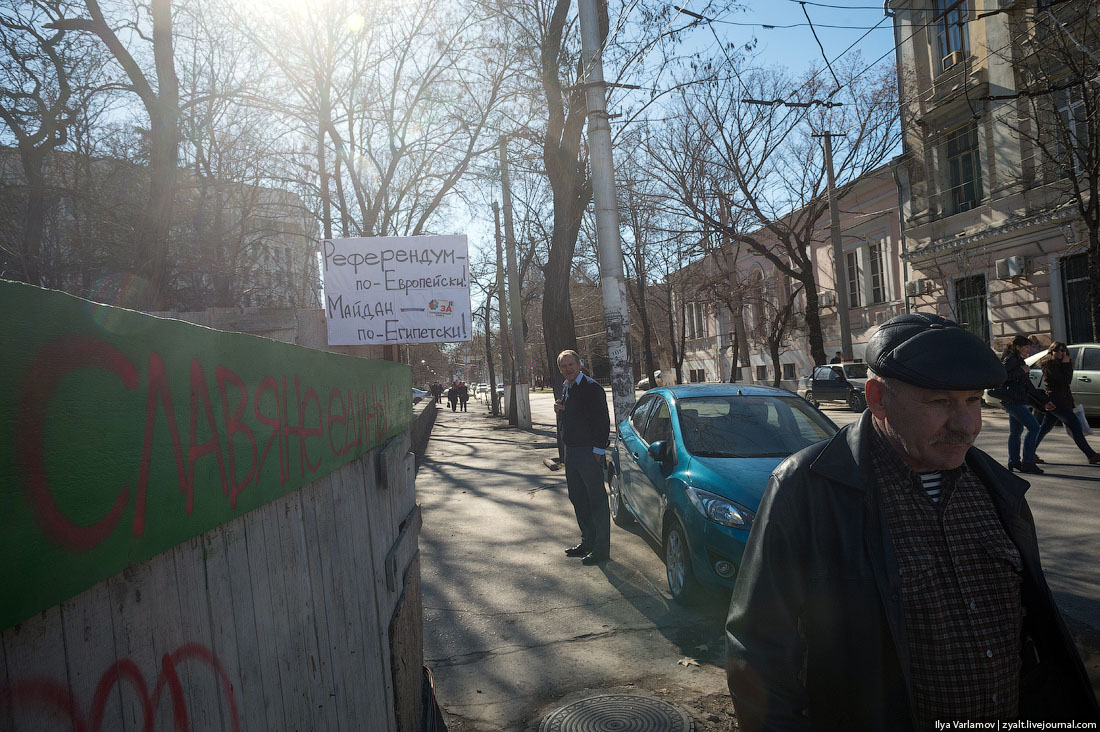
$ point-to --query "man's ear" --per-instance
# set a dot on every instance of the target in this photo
(875, 393)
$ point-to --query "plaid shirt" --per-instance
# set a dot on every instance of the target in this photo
(960, 581)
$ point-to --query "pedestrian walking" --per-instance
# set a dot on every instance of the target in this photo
(1057, 377)
(585, 427)
(892, 578)
(1015, 394)
(452, 396)
(463, 394)
(437, 391)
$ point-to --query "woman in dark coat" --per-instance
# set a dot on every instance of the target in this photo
(1057, 376)
(452, 396)
(1015, 394)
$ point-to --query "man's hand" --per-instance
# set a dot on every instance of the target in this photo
(1049, 406)
(559, 406)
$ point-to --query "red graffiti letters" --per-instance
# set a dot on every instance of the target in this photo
(227, 438)
(54, 700)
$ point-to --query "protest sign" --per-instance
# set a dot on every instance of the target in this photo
(413, 289)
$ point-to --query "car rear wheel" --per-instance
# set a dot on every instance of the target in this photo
(681, 580)
(620, 514)
(856, 402)
(810, 398)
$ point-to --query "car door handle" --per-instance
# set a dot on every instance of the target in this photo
(1083, 378)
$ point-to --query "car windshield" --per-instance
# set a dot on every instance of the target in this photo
(746, 426)
(856, 370)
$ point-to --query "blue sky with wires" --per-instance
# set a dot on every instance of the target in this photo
(785, 36)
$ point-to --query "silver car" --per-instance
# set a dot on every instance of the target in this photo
(1085, 358)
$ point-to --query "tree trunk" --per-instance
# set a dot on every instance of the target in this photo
(152, 255)
(813, 321)
(1094, 280)
(735, 353)
(647, 330)
(493, 401)
(35, 217)
(773, 351)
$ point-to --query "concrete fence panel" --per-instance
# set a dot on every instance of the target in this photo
(201, 530)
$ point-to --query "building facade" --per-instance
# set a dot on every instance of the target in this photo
(993, 239)
(871, 249)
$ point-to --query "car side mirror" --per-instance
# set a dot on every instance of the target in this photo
(659, 451)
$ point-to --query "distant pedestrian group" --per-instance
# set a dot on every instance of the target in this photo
(458, 395)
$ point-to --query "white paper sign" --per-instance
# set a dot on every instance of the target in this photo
(409, 289)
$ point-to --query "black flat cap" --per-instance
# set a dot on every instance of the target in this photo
(926, 350)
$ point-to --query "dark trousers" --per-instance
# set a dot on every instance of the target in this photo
(584, 475)
(1069, 419)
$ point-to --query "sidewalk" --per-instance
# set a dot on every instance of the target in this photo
(513, 628)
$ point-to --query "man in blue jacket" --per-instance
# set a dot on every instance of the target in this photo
(585, 427)
(892, 579)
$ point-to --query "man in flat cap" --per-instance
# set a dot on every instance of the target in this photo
(892, 579)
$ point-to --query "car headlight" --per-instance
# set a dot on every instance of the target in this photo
(718, 509)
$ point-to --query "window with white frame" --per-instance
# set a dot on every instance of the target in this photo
(1073, 124)
(877, 266)
(695, 319)
(950, 21)
(964, 172)
(853, 276)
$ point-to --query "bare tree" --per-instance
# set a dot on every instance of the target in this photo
(158, 89)
(731, 152)
(47, 78)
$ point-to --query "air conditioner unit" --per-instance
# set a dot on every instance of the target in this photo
(826, 299)
(1010, 267)
(916, 288)
(953, 58)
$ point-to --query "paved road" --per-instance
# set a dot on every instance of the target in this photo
(513, 628)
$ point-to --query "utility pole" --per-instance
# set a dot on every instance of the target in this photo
(607, 212)
(505, 345)
(839, 265)
(520, 401)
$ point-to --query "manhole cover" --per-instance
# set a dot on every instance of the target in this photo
(618, 713)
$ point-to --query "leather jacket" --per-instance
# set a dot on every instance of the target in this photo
(816, 634)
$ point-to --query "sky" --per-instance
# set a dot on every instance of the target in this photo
(789, 42)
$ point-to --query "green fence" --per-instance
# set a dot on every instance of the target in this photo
(123, 435)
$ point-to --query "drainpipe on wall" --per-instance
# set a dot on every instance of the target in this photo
(905, 271)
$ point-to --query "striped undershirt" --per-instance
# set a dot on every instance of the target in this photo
(933, 484)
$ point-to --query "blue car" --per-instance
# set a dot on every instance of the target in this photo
(691, 464)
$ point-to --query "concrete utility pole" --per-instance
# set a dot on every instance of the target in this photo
(506, 372)
(607, 212)
(840, 265)
(520, 403)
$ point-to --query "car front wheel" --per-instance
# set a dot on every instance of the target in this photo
(856, 402)
(681, 580)
(620, 514)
